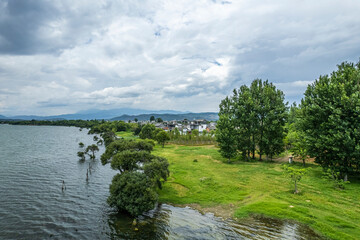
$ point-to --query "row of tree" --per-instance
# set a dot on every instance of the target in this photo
(325, 126)
(252, 121)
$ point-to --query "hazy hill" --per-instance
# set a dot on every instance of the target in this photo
(92, 114)
(210, 116)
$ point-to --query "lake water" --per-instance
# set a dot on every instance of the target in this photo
(34, 160)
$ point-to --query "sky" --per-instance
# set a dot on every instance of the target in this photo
(59, 57)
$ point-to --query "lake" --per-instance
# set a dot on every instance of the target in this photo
(34, 162)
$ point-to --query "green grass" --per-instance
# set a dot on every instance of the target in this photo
(126, 135)
(260, 188)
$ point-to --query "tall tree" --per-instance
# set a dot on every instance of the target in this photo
(226, 137)
(258, 117)
(147, 131)
(330, 119)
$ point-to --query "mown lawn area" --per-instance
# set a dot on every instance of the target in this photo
(126, 135)
(245, 188)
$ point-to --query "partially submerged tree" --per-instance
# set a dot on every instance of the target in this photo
(133, 190)
(81, 155)
(90, 150)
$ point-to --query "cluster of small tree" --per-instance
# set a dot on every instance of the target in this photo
(67, 123)
(149, 131)
(193, 137)
(134, 189)
(252, 121)
(113, 126)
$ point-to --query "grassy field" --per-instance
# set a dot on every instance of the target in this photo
(126, 135)
(200, 178)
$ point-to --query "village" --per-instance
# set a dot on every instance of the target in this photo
(184, 126)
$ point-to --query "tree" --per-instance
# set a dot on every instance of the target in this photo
(136, 120)
(141, 172)
(295, 175)
(162, 137)
(147, 131)
(258, 116)
(176, 133)
(122, 145)
(81, 144)
(159, 120)
(152, 118)
(132, 192)
(226, 137)
(81, 155)
(90, 150)
(329, 120)
(108, 137)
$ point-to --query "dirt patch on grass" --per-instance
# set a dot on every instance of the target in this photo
(180, 189)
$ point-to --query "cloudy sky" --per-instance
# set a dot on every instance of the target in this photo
(64, 56)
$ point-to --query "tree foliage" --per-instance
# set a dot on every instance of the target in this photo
(161, 137)
(226, 137)
(133, 190)
(257, 115)
(329, 120)
(91, 149)
(295, 175)
(147, 131)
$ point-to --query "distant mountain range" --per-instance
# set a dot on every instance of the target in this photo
(210, 116)
(118, 114)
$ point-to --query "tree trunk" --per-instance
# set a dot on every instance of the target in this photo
(345, 177)
(253, 146)
(303, 162)
(229, 160)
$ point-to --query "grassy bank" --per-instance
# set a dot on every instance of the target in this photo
(201, 179)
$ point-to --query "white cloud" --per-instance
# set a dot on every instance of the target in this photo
(181, 55)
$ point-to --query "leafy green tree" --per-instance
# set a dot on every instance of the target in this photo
(159, 120)
(226, 137)
(295, 175)
(147, 131)
(152, 118)
(176, 133)
(141, 172)
(121, 145)
(81, 155)
(136, 120)
(90, 150)
(329, 120)
(258, 116)
(157, 170)
(195, 132)
(132, 192)
(129, 160)
(108, 137)
(162, 137)
(81, 144)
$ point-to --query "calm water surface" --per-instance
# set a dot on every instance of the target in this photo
(35, 160)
